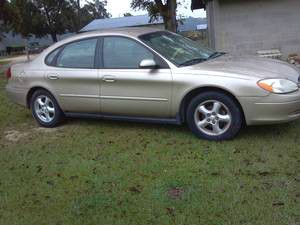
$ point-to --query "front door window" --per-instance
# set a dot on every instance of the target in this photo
(123, 53)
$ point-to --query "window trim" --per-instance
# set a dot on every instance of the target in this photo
(98, 60)
(62, 47)
(160, 61)
(48, 55)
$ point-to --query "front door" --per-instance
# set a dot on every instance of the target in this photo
(72, 75)
(128, 90)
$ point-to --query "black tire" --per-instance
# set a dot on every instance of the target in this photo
(231, 129)
(56, 117)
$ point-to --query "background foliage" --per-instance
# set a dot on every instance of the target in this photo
(49, 17)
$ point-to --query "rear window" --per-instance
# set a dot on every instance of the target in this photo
(80, 54)
(51, 56)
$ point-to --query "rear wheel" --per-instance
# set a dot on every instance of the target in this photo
(45, 109)
(214, 116)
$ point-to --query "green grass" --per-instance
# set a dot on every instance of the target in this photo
(3, 62)
(3, 67)
(103, 172)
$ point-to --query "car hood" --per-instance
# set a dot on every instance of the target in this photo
(250, 66)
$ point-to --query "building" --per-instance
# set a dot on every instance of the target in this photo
(247, 26)
(17, 42)
(187, 24)
(129, 21)
(192, 24)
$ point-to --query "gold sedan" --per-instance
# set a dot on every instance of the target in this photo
(149, 75)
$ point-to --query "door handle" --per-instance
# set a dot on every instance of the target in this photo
(53, 76)
(109, 79)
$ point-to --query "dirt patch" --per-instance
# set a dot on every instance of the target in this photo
(46, 130)
(175, 193)
(278, 203)
(136, 189)
(171, 211)
(14, 135)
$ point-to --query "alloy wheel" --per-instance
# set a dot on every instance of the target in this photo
(44, 108)
(212, 117)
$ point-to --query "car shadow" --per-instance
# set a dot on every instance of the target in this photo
(126, 124)
(263, 131)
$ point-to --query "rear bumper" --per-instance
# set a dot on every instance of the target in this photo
(271, 109)
(17, 95)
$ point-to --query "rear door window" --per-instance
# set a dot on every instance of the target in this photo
(80, 54)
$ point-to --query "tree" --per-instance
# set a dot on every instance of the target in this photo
(4, 11)
(51, 17)
(80, 16)
(74, 16)
(54, 16)
(127, 14)
(97, 9)
(164, 8)
(5, 16)
(39, 17)
(26, 19)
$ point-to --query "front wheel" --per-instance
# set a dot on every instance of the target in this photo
(45, 109)
(214, 116)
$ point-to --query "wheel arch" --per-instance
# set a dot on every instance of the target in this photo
(31, 92)
(196, 91)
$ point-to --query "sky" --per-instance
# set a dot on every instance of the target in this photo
(118, 7)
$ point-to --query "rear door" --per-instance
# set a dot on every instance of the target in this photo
(73, 75)
(127, 89)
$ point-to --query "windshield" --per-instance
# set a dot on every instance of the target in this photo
(179, 50)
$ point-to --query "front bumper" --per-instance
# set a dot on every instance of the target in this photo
(17, 95)
(271, 109)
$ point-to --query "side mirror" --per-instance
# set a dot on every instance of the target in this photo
(148, 64)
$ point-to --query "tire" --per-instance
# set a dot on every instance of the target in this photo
(214, 116)
(45, 109)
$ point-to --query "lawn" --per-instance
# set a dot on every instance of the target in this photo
(89, 172)
(3, 67)
(3, 62)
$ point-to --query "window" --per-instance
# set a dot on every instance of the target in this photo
(51, 56)
(123, 53)
(79, 54)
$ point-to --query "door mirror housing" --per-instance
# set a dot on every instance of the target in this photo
(148, 64)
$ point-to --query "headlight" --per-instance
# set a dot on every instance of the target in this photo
(278, 86)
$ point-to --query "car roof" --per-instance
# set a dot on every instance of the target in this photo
(132, 31)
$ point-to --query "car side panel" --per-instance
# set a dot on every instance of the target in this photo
(77, 90)
(183, 83)
(136, 92)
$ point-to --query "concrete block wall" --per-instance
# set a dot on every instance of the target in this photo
(245, 26)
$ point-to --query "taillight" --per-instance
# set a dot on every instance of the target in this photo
(8, 73)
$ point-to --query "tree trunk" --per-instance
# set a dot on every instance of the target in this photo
(172, 6)
(27, 50)
(54, 37)
(169, 24)
(78, 16)
(168, 13)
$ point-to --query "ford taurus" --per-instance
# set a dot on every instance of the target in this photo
(149, 75)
